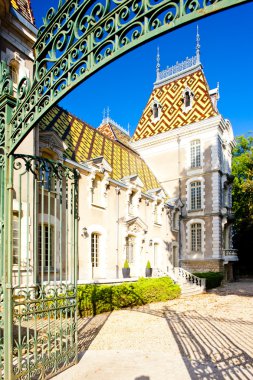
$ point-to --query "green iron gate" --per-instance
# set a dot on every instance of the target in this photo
(38, 197)
(43, 340)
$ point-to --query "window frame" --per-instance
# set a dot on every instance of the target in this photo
(95, 249)
(47, 237)
(130, 248)
(195, 195)
(195, 154)
(196, 237)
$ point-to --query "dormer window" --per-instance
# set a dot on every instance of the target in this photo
(156, 110)
(188, 97)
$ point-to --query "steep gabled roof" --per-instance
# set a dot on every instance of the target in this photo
(114, 131)
(24, 8)
(170, 98)
(85, 143)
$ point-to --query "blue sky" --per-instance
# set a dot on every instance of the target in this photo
(125, 85)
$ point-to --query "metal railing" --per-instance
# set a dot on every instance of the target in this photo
(230, 253)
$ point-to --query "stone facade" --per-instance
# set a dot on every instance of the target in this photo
(163, 195)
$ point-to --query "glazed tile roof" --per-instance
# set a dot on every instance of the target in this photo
(113, 132)
(170, 96)
(24, 8)
(85, 143)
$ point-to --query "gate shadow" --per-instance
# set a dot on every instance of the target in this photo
(88, 329)
(212, 348)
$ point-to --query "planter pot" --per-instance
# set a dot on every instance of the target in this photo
(126, 272)
(148, 272)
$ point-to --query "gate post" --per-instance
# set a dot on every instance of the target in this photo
(7, 103)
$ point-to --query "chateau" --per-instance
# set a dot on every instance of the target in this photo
(162, 195)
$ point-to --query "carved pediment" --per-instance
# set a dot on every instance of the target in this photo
(159, 193)
(50, 140)
(133, 179)
(100, 163)
(136, 225)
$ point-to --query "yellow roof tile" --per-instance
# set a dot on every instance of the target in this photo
(85, 143)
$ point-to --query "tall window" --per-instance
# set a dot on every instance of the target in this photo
(131, 204)
(130, 243)
(95, 249)
(195, 154)
(96, 191)
(46, 238)
(195, 195)
(15, 239)
(14, 67)
(196, 237)
(156, 247)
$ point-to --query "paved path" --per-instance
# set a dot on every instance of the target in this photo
(206, 336)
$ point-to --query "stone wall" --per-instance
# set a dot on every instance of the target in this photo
(203, 265)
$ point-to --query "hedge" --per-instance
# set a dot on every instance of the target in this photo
(95, 299)
(213, 279)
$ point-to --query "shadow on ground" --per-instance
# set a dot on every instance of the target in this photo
(88, 329)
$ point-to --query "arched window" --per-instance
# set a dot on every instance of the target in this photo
(196, 237)
(14, 71)
(95, 249)
(130, 247)
(195, 154)
(195, 195)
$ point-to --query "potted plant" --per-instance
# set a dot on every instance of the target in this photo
(148, 269)
(126, 270)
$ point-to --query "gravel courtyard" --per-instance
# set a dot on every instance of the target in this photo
(208, 336)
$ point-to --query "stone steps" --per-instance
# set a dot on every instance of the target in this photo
(189, 289)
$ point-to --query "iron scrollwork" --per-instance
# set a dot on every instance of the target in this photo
(81, 36)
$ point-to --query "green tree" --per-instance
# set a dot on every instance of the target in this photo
(242, 169)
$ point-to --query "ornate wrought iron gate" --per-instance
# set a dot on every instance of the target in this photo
(42, 307)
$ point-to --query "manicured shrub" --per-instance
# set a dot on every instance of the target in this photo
(213, 279)
(95, 299)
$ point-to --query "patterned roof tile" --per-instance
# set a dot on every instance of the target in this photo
(85, 143)
(171, 99)
(24, 8)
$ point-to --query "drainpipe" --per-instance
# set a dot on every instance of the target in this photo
(117, 233)
(179, 195)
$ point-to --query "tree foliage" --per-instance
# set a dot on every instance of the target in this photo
(242, 169)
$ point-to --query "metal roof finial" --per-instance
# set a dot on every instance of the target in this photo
(108, 113)
(157, 63)
(198, 46)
